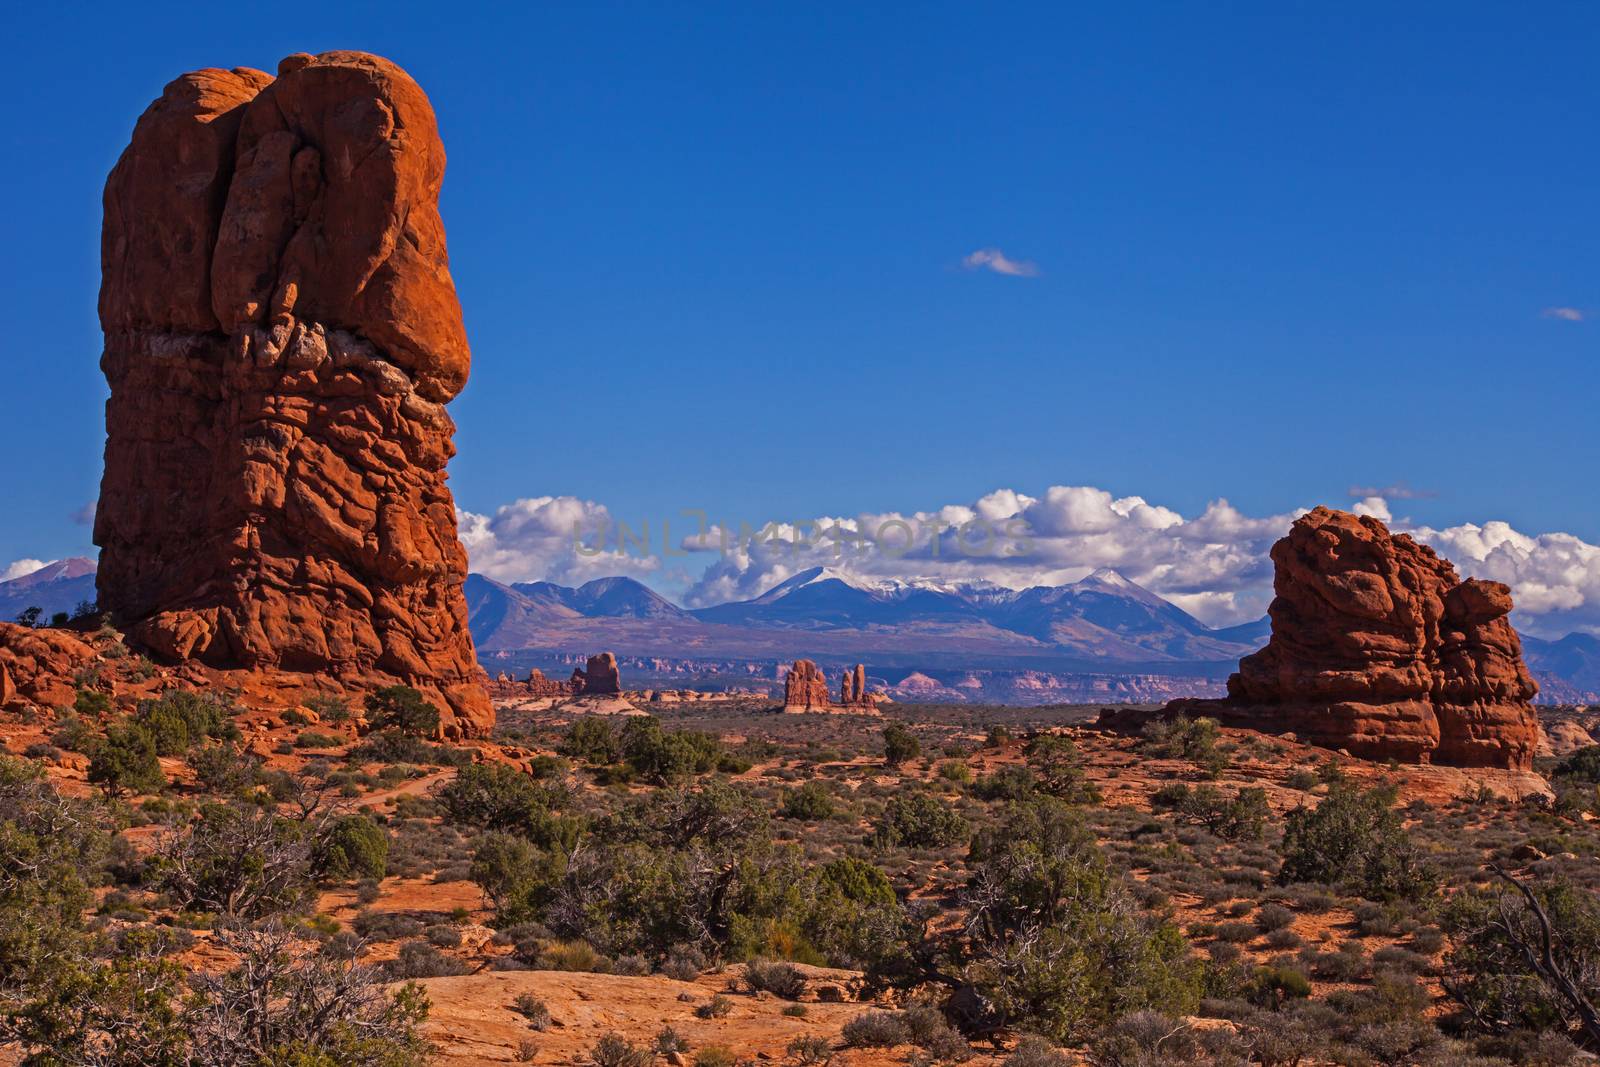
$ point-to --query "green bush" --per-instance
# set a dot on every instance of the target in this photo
(402, 708)
(1058, 765)
(500, 798)
(899, 745)
(352, 846)
(1237, 816)
(181, 719)
(1195, 740)
(918, 819)
(811, 802)
(1355, 839)
(592, 739)
(125, 761)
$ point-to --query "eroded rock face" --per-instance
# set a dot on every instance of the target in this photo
(1379, 648)
(37, 667)
(282, 334)
(805, 688)
(600, 676)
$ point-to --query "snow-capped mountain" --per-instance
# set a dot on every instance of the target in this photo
(55, 587)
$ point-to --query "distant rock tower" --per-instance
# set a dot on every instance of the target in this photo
(281, 337)
(805, 688)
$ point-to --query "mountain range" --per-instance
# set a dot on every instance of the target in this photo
(1103, 625)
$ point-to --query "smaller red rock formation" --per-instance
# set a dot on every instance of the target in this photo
(536, 685)
(1378, 648)
(37, 666)
(599, 677)
(805, 688)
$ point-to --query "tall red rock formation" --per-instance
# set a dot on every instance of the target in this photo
(281, 337)
(600, 676)
(1379, 648)
(805, 688)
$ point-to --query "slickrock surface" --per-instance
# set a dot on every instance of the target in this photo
(1380, 649)
(281, 337)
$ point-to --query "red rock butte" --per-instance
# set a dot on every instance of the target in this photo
(1378, 648)
(281, 337)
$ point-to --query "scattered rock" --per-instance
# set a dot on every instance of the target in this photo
(281, 337)
(37, 666)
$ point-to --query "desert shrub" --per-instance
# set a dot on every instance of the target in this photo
(316, 739)
(876, 1029)
(329, 707)
(613, 1050)
(515, 875)
(593, 740)
(234, 860)
(1061, 946)
(181, 718)
(667, 1041)
(955, 771)
(684, 963)
(915, 818)
(1272, 987)
(1059, 767)
(715, 1056)
(402, 708)
(1195, 740)
(1035, 1051)
(1009, 782)
(1355, 839)
(126, 761)
(420, 959)
(396, 747)
(780, 979)
(663, 756)
(1272, 917)
(532, 1009)
(1302, 780)
(500, 798)
(224, 767)
(810, 1050)
(1497, 942)
(718, 1007)
(1241, 815)
(899, 744)
(351, 846)
(91, 704)
(810, 802)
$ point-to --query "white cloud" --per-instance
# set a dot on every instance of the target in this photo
(1375, 506)
(1563, 313)
(995, 260)
(555, 538)
(1398, 491)
(23, 567)
(1214, 564)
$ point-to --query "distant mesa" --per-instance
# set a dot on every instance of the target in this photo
(1379, 649)
(805, 689)
(281, 338)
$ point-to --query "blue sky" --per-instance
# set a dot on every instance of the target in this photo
(712, 255)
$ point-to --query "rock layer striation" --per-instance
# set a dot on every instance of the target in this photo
(1379, 648)
(281, 337)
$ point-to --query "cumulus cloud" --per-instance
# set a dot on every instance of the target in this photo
(1213, 564)
(1554, 577)
(555, 538)
(1563, 313)
(84, 516)
(993, 259)
(22, 568)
